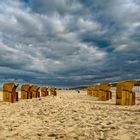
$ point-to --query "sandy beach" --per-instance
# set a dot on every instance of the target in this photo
(69, 116)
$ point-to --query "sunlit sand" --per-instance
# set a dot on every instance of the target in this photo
(70, 115)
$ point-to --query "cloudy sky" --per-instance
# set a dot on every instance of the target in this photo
(69, 42)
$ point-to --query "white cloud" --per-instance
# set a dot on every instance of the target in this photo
(121, 48)
(132, 61)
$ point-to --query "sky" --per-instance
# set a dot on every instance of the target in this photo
(69, 43)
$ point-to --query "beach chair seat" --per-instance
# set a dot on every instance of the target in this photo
(104, 92)
(9, 92)
(35, 93)
(26, 91)
(92, 91)
(44, 91)
(124, 93)
(53, 91)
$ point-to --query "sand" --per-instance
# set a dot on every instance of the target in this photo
(69, 116)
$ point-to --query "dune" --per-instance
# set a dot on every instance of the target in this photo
(69, 116)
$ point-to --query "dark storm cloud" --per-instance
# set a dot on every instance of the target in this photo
(69, 43)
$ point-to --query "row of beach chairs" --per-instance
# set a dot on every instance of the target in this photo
(28, 91)
(124, 93)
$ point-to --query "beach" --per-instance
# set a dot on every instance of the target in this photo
(69, 116)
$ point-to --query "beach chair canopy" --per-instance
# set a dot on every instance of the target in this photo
(35, 88)
(44, 88)
(105, 86)
(26, 87)
(9, 87)
(126, 85)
